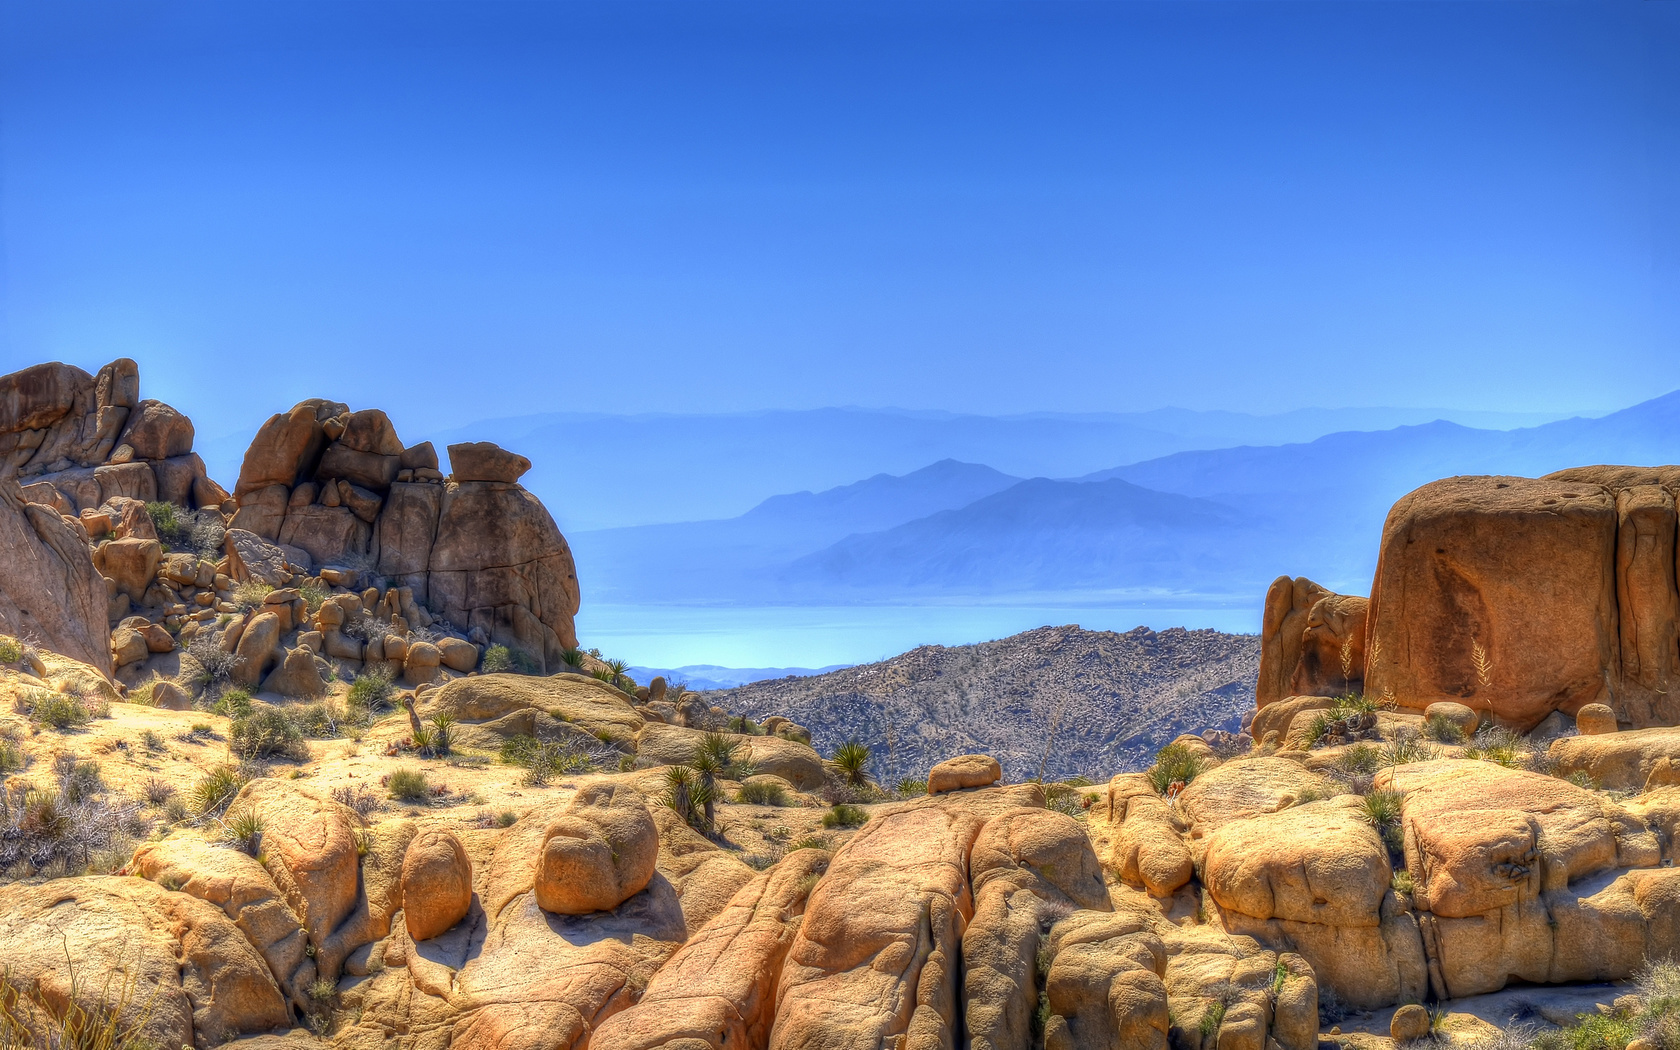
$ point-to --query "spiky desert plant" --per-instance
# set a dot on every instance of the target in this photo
(852, 758)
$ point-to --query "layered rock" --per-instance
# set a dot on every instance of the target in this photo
(474, 548)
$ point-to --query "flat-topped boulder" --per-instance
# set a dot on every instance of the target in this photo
(486, 461)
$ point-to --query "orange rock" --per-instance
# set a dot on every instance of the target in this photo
(1288, 604)
(436, 883)
(964, 771)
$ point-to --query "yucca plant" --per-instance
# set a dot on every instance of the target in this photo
(853, 759)
(685, 794)
(215, 790)
(1175, 766)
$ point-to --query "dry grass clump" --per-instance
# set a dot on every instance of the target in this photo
(69, 825)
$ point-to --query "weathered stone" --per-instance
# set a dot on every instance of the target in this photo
(964, 771)
(436, 883)
(485, 461)
(132, 564)
(1595, 719)
(156, 431)
(598, 852)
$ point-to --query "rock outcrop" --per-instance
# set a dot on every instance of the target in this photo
(475, 548)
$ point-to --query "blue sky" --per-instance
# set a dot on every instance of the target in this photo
(470, 210)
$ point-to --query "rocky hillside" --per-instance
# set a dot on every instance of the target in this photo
(1115, 699)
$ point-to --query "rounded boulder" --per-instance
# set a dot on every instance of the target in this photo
(1410, 1023)
(964, 771)
(598, 853)
(436, 883)
(1595, 720)
(1465, 718)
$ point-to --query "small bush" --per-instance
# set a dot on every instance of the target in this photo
(442, 735)
(1402, 882)
(1064, 798)
(543, 759)
(1408, 747)
(500, 659)
(814, 841)
(1443, 730)
(10, 650)
(250, 595)
(267, 733)
(320, 720)
(59, 711)
(1382, 810)
(157, 792)
(409, 785)
(362, 799)
(243, 831)
(233, 703)
(745, 726)
(216, 665)
(1359, 760)
(1174, 764)
(910, 787)
(372, 690)
(215, 790)
(844, 816)
(762, 793)
(1498, 745)
(11, 756)
(688, 795)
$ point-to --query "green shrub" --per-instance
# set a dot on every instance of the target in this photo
(1443, 730)
(11, 756)
(442, 734)
(58, 710)
(910, 787)
(250, 595)
(1359, 760)
(1498, 745)
(745, 726)
(215, 790)
(372, 690)
(844, 815)
(687, 795)
(1174, 764)
(1211, 1020)
(267, 733)
(812, 841)
(410, 785)
(1408, 747)
(543, 759)
(502, 659)
(1601, 1032)
(243, 831)
(320, 720)
(762, 793)
(165, 521)
(10, 651)
(233, 703)
(1402, 882)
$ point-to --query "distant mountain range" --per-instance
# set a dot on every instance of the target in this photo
(1218, 522)
(702, 677)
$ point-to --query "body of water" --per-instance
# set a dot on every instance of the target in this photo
(817, 635)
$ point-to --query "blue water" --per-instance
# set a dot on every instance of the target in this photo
(816, 635)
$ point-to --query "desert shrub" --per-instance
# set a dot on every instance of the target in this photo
(852, 759)
(409, 785)
(215, 790)
(1359, 760)
(216, 665)
(543, 759)
(762, 793)
(1174, 764)
(267, 733)
(11, 651)
(243, 831)
(1406, 747)
(360, 798)
(1212, 1018)
(320, 720)
(372, 690)
(910, 787)
(250, 595)
(193, 532)
(761, 861)
(745, 726)
(442, 733)
(1498, 745)
(1443, 730)
(58, 711)
(572, 657)
(11, 756)
(233, 703)
(68, 825)
(157, 792)
(844, 816)
(1601, 1032)
(1382, 810)
(1402, 882)
(1064, 798)
(503, 659)
(816, 840)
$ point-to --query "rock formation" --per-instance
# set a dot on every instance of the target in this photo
(336, 487)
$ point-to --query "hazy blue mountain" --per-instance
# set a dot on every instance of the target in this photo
(706, 557)
(1314, 508)
(711, 676)
(1043, 535)
(651, 468)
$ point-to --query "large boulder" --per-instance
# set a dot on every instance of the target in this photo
(486, 461)
(1637, 760)
(964, 771)
(197, 982)
(794, 762)
(1288, 604)
(436, 883)
(1140, 837)
(287, 448)
(131, 564)
(49, 588)
(598, 852)
(509, 704)
(157, 431)
(1454, 610)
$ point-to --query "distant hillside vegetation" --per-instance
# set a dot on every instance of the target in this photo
(1121, 697)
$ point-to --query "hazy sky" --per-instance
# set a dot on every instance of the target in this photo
(470, 210)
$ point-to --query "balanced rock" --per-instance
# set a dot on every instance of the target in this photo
(486, 461)
(598, 853)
